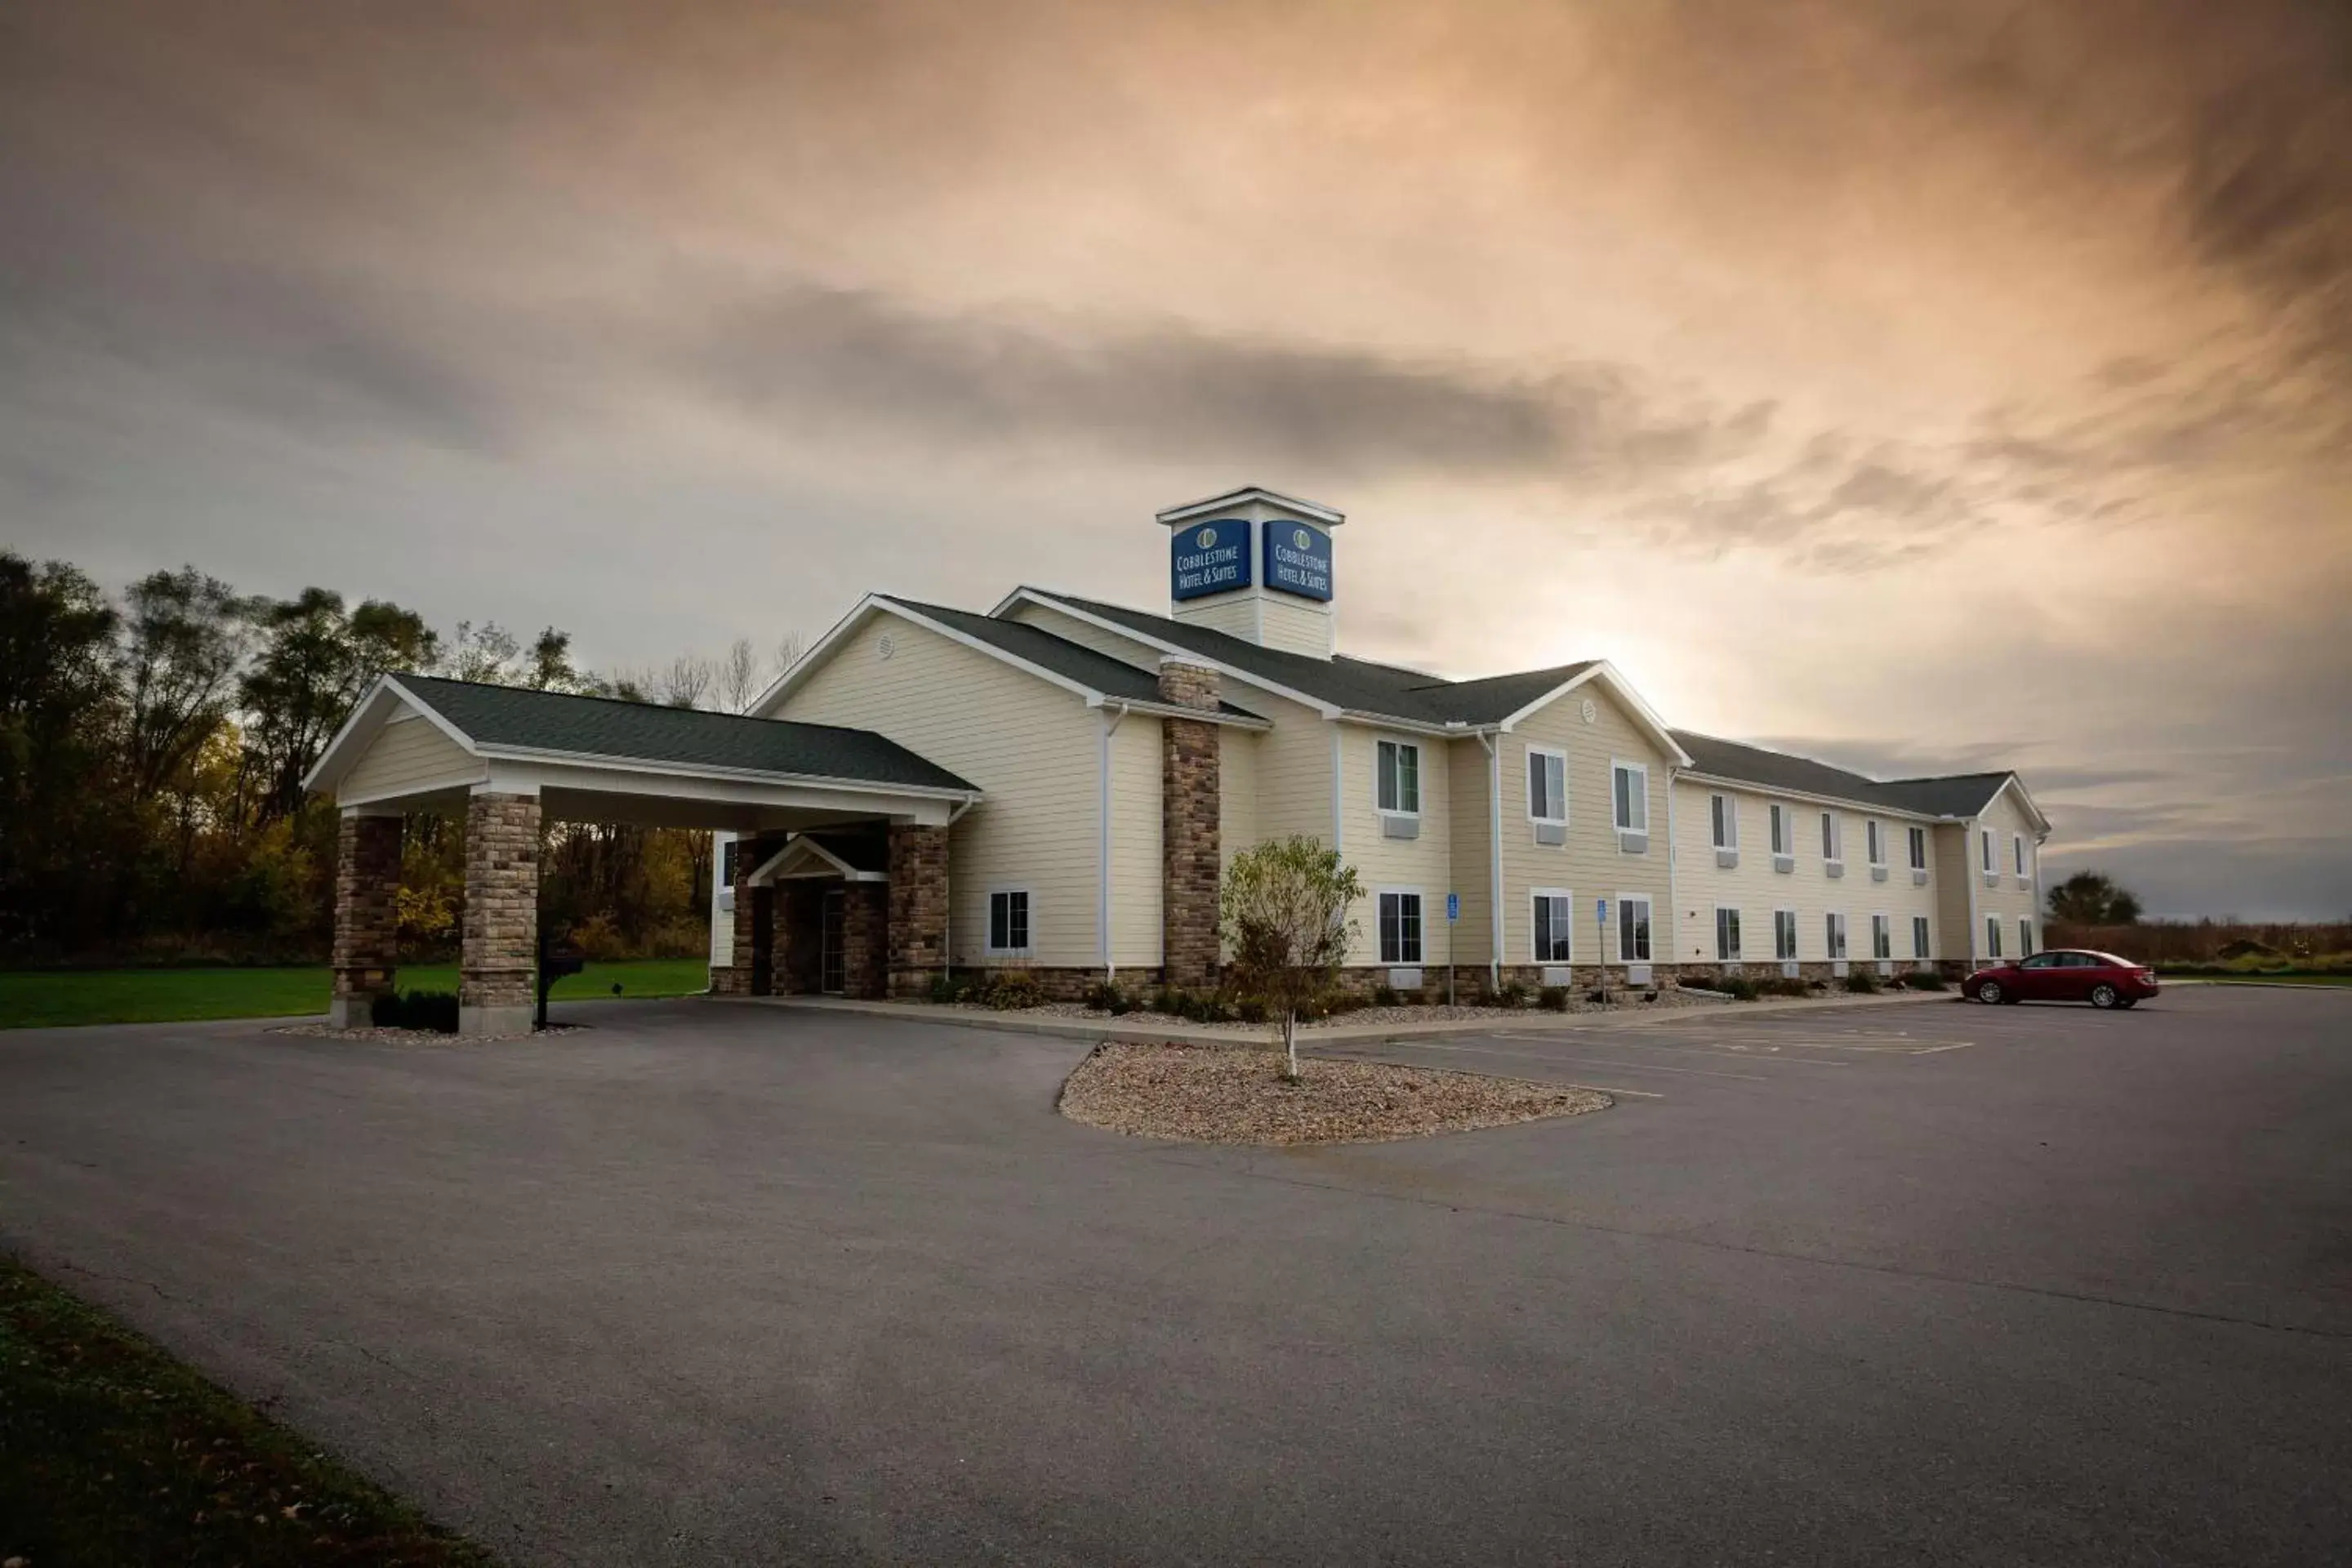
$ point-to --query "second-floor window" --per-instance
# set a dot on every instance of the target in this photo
(1830, 838)
(1400, 777)
(1919, 849)
(1727, 822)
(1547, 785)
(1876, 839)
(1781, 838)
(2018, 841)
(1629, 787)
(1989, 867)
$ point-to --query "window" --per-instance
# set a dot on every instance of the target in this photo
(1918, 936)
(1008, 922)
(1919, 849)
(729, 853)
(1632, 930)
(1989, 865)
(2017, 842)
(1784, 934)
(2024, 936)
(1547, 785)
(1781, 834)
(1992, 935)
(1400, 777)
(1881, 937)
(1629, 787)
(1837, 936)
(1727, 934)
(1555, 912)
(1399, 926)
(1832, 841)
(1875, 841)
(1727, 821)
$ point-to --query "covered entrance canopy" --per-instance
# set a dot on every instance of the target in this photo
(508, 757)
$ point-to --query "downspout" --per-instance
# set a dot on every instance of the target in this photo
(1102, 851)
(1493, 740)
(1673, 903)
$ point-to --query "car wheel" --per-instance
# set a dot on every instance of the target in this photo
(2105, 995)
(1989, 992)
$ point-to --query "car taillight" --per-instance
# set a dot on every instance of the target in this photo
(2146, 975)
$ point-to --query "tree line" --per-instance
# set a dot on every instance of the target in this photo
(153, 744)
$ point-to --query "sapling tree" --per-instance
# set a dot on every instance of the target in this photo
(1282, 914)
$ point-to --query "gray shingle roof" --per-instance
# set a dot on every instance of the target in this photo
(1095, 671)
(1962, 794)
(1358, 685)
(510, 716)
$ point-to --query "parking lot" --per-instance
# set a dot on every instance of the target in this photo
(729, 1283)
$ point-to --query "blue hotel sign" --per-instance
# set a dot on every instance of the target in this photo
(1209, 558)
(1299, 560)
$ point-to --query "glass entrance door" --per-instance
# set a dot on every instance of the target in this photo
(832, 973)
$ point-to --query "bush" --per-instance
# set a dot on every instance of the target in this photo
(1784, 985)
(1926, 980)
(1105, 996)
(1250, 1010)
(1009, 990)
(1384, 994)
(433, 1010)
(1861, 981)
(1513, 994)
(1739, 988)
(949, 988)
(1552, 998)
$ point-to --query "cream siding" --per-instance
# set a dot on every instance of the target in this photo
(1293, 769)
(1590, 864)
(1421, 865)
(410, 753)
(1472, 847)
(1135, 870)
(2011, 898)
(1757, 891)
(1032, 747)
(1237, 790)
(1235, 615)
(1956, 935)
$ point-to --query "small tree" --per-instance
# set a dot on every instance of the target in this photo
(2092, 899)
(1283, 914)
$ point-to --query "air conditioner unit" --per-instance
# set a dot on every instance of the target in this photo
(1834, 869)
(1885, 966)
(1400, 826)
(1840, 968)
(1726, 859)
(1879, 873)
(1632, 843)
(1558, 975)
(1551, 832)
(1405, 979)
(1637, 974)
(1918, 876)
(1784, 863)
(1790, 969)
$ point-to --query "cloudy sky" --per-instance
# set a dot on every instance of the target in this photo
(1922, 383)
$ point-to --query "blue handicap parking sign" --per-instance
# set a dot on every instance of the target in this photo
(1453, 906)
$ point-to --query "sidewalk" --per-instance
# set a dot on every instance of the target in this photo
(1106, 1027)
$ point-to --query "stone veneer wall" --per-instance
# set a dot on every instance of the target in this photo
(1190, 854)
(917, 913)
(864, 939)
(367, 915)
(500, 947)
(734, 979)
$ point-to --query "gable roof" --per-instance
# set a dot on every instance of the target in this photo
(1034, 645)
(1953, 794)
(512, 720)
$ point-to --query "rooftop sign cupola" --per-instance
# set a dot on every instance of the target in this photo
(1256, 566)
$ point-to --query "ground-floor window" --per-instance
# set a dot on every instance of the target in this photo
(1837, 936)
(1399, 927)
(1727, 934)
(1008, 922)
(1632, 931)
(2024, 939)
(1555, 911)
(1784, 934)
(1992, 936)
(1918, 936)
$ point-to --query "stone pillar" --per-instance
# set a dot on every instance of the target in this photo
(1190, 856)
(735, 978)
(500, 951)
(865, 940)
(919, 909)
(367, 916)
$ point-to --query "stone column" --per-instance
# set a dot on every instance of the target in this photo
(500, 951)
(367, 916)
(1190, 858)
(735, 978)
(865, 940)
(919, 909)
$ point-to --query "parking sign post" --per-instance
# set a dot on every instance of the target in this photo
(1453, 913)
(1601, 920)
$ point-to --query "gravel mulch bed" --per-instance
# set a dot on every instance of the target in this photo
(1233, 1094)
(414, 1036)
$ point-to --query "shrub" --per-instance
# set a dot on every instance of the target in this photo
(1784, 985)
(1926, 980)
(1861, 981)
(1251, 1010)
(1513, 994)
(1552, 998)
(949, 988)
(1739, 988)
(1009, 990)
(1384, 994)
(433, 1010)
(1105, 996)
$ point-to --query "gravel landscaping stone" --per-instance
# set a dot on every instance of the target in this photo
(1236, 1094)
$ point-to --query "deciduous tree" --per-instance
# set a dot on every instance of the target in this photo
(1283, 917)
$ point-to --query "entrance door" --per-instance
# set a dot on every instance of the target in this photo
(832, 970)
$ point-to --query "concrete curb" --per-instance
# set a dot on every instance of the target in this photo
(1344, 1034)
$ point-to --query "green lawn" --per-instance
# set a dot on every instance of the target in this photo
(110, 1451)
(42, 998)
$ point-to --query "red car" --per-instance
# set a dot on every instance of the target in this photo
(2065, 974)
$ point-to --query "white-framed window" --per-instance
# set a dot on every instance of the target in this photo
(1919, 936)
(1989, 864)
(1724, 819)
(1399, 926)
(1836, 932)
(2024, 938)
(1547, 785)
(1555, 917)
(1918, 849)
(1783, 834)
(1874, 840)
(1832, 839)
(1727, 933)
(2017, 844)
(1629, 794)
(1633, 928)
(1881, 937)
(1992, 935)
(1397, 774)
(1008, 922)
(1784, 934)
